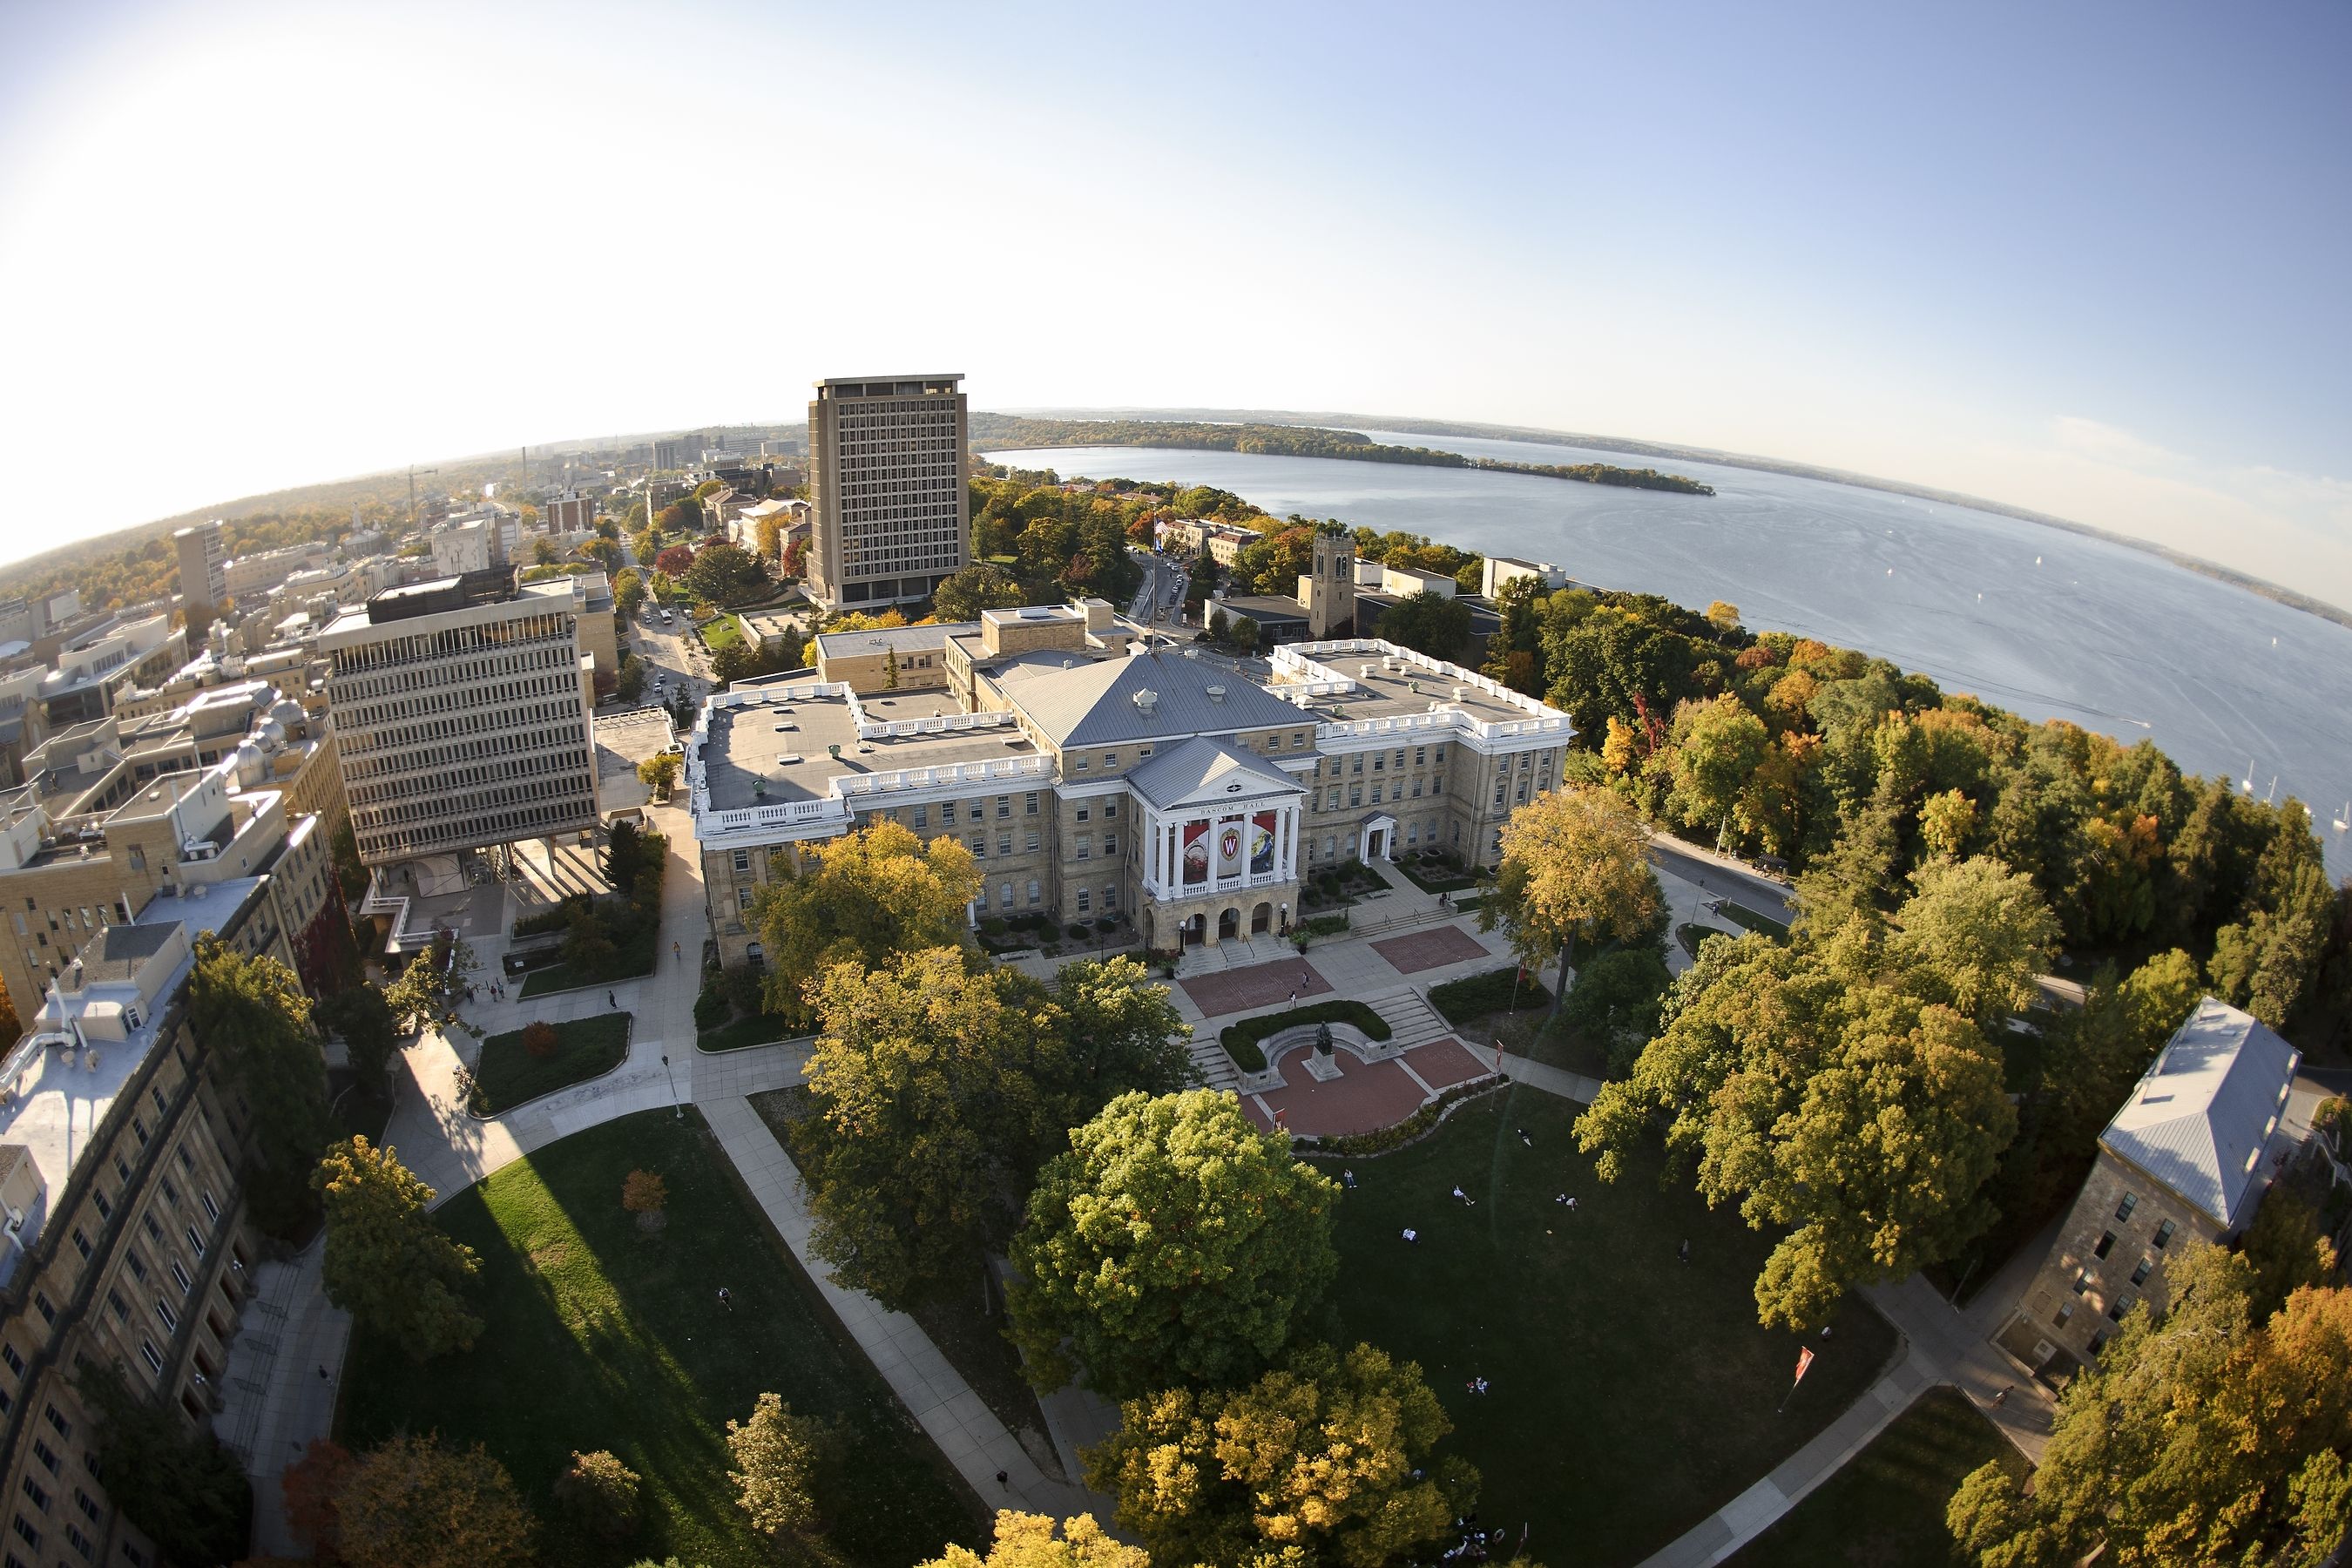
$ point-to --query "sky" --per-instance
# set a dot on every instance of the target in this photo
(2084, 258)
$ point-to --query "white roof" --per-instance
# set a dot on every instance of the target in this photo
(2201, 1118)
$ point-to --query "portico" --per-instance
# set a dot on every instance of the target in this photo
(1220, 842)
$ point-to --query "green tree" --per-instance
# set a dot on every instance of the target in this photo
(1027, 1541)
(2286, 1248)
(1329, 1453)
(726, 575)
(1243, 631)
(1573, 868)
(361, 1016)
(386, 1263)
(599, 1494)
(1975, 935)
(629, 684)
(660, 774)
(186, 1491)
(629, 591)
(1428, 622)
(2203, 1436)
(981, 586)
(425, 990)
(413, 1503)
(1718, 752)
(1823, 1098)
(252, 1009)
(776, 1454)
(1220, 628)
(1173, 1241)
(870, 895)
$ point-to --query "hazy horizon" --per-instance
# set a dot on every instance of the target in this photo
(2081, 263)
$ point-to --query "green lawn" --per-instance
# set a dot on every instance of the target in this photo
(759, 1029)
(507, 1075)
(598, 1337)
(723, 631)
(1741, 915)
(1631, 1394)
(1886, 1508)
(637, 959)
(1432, 879)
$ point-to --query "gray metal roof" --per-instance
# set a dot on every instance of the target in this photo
(1096, 705)
(2200, 1118)
(905, 639)
(1204, 766)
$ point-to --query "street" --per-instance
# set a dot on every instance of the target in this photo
(1724, 877)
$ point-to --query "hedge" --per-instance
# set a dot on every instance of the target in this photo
(1462, 1001)
(1241, 1039)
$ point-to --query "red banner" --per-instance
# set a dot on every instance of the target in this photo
(1196, 852)
(1804, 1362)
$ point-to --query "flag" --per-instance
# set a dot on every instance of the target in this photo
(1805, 1361)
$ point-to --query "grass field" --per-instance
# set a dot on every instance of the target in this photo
(507, 1075)
(1631, 1394)
(637, 959)
(1741, 915)
(759, 1029)
(1886, 1508)
(722, 631)
(599, 1337)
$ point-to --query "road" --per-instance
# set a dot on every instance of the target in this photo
(1724, 877)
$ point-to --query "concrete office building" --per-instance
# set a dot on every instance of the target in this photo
(122, 1138)
(1092, 774)
(461, 715)
(204, 569)
(893, 516)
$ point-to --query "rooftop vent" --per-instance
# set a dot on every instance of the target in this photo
(1460, 692)
(1216, 694)
(1364, 672)
(1146, 700)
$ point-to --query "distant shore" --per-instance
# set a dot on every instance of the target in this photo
(1418, 426)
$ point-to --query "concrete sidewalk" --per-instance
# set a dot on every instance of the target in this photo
(956, 1418)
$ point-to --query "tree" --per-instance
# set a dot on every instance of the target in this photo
(630, 683)
(1723, 617)
(312, 1487)
(599, 1493)
(186, 1491)
(2203, 1436)
(646, 1195)
(2286, 1248)
(660, 774)
(1718, 759)
(413, 1503)
(1173, 1241)
(1219, 629)
(983, 585)
(795, 563)
(873, 894)
(629, 591)
(604, 683)
(430, 985)
(775, 1453)
(386, 1263)
(252, 1009)
(1821, 1095)
(543, 552)
(726, 575)
(1027, 1541)
(540, 1039)
(1244, 632)
(1121, 1033)
(1329, 1454)
(1573, 867)
(361, 1016)
(1975, 935)
(1430, 623)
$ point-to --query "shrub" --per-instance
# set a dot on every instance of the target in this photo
(539, 1037)
(555, 917)
(711, 1006)
(1107, 923)
(741, 983)
(1241, 1040)
(1474, 996)
(599, 1492)
(1323, 925)
(1079, 934)
(992, 926)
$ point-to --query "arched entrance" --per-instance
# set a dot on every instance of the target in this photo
(1195, 929)
(1229, 923)
(1261, 919)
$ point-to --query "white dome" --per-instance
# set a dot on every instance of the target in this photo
(289, 713)
(270, 734)
(252, 766)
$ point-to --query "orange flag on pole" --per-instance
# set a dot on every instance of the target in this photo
(1805, 1361)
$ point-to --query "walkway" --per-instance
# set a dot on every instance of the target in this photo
(957, 1419)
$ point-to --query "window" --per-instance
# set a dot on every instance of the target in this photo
(81, 1244)
(1082, 814)
(1440, 755)
(121, 1308)
(87, 1504)
(1029, 803)
(1036, 895)
(2123, 1304)
(2139, 1275)
(80, 1542)
(2106, 1242)
(1355, 795)
(33, 1490)
(31, 1537)
(1420, 755)
(1110, 843)
(922, 816)
(1004, 895)
(2082, 1280)
(15, 1362)
(196, 1242)
(1086, 846)
(187, 1160)
(1298, 740)
(1110, 895)
(2123, 1210)
(136, 1264)
(2065, 1312)
(1380, 761)
(742, 860)
(1357, 764)
(47, 1309)
(1029, 841)
(1084, 903)
(1110, 810)
(978, 844)
(1004, 844)
(46, 1454)
(1111, 759)
(1003, 806)
(947, 814)
(2163, 1235)
(1082, 764)
(105, 1204)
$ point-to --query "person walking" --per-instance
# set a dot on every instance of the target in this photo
(1685, 1254)
(725, 1298)
(612, 1000)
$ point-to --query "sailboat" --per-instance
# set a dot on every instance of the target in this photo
(2247, 783)
(2342, 818)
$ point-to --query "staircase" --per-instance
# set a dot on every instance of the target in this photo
(1411, 1018)
(1217, 1068)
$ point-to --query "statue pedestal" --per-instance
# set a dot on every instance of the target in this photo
(1320, 1068)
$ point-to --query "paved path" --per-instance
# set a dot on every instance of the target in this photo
(274, 1402)
(957, 1419)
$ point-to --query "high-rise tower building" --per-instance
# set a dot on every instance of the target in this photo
(893, 517)
(204, 569)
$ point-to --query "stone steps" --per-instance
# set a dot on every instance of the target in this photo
(1413, 1022)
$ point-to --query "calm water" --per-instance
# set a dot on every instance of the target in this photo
(2050, 624)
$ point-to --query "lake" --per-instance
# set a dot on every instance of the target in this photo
(2047, 623)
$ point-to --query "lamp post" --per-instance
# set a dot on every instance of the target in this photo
(677, 1109)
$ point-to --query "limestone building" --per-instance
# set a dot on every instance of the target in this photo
(1091, 772)
(2188, 1157)
(204, 569)
(122, 1141)
(461, 710)
(892, 517)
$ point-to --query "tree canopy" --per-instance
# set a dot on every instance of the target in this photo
(1329, 1453)
(1028, 1540)
(1428, 622)
(983, 585)
(386, 1262)
(1574, 868)
(252, 1009)
(869, 896)
(415, 1503)
(1173, 1241)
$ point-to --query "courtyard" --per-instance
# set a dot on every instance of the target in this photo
(1628, 1393)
